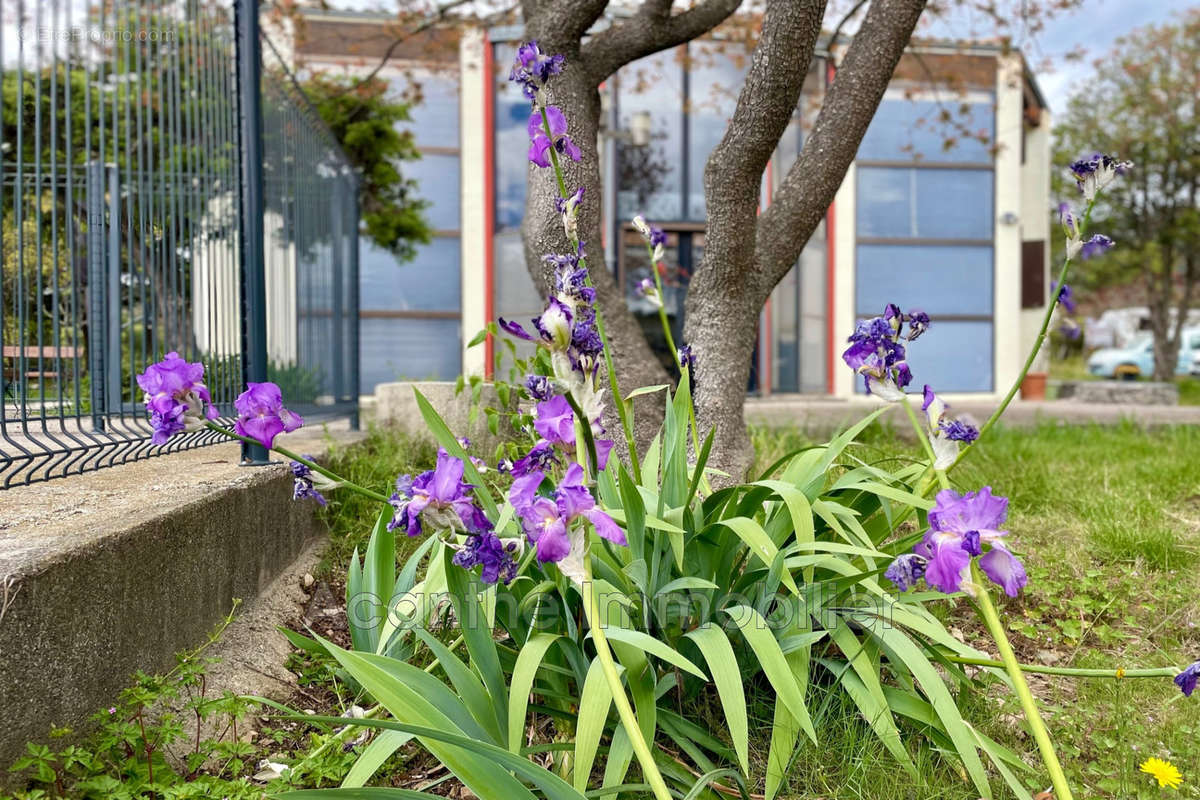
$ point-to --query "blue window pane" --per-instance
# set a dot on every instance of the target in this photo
(516, 296)
(715, 78)
(512, 142)
(650, 180)
(430, 282)
(409, 349)
(953, 357)
(924, 203)
(434, 120)
(939, 279)
(437, 182)
(908, 129)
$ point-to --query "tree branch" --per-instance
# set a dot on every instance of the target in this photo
(810, 185)
(651, 29)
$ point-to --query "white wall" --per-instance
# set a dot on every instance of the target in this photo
(843, 278)
(1008, 352)
(1036, 223)
(473, 141)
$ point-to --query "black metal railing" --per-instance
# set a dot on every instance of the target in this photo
(121, 197)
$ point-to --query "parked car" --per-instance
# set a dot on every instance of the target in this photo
(1137, 358)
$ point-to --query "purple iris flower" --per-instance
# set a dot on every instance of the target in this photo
(555, 423)
(539, 387)
(876, 353)
(176, 397)
(959, 527)
(686, 357)
(1096, 245)
(1064, 297)
(918, 323)
(539, 458)
(532, 68)
(958, 431)
(548, 522)
(261, 414)
(540, 143)
(657, 236)
(437, 499)
(1186, 680)
(569, 210)
(1097, 171)
(498, 559)
(905, 571)
(556, 324)
(303, 487)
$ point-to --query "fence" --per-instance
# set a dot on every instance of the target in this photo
(121, 197)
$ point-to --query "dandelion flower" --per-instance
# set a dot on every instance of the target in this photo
(1163, 771)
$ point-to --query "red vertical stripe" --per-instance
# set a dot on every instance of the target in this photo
(489, 201)
(830, 269)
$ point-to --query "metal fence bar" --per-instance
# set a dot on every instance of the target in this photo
(121, 179)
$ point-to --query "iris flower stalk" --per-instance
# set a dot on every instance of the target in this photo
(312, 465)
(991, 619)
(651, 250)
(583, 439)
(622, 413)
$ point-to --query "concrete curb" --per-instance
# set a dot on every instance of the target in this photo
(118, 570)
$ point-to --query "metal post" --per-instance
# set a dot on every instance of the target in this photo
(97, 289)
(337, 211)
(253, 266)
(352, 284)
(112, 318)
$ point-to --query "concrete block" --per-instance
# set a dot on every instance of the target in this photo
(1127, 392)
(395, 404)
(117, 570)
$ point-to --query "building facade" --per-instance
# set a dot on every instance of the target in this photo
(946, 207)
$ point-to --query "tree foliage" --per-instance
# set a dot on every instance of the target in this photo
(365, 119)
(1141, 102)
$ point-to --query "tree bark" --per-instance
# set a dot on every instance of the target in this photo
(747, 255)
(559, 27)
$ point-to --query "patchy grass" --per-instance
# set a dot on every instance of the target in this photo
(374, 463)
(1107, 520)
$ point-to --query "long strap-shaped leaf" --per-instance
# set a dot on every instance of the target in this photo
(594, 703)
(774, 664)
(871, 701)
(356, 793)
(381, 748)
(470, 689)
(524, 671)
(722, 664)
(552, 786)
(904, 650)
(388, 681)
(477, 634)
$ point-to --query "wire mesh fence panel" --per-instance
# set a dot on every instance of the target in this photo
(120, 189)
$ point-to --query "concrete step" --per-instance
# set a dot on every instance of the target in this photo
(113, 571)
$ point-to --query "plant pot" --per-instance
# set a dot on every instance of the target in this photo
(1034, 386)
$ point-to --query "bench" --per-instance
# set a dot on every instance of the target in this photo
(32, 354)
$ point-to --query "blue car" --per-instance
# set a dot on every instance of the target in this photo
(1137, 358)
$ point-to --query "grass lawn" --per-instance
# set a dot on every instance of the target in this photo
(1108, 523)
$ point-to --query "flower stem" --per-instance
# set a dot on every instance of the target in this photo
(608, 667)
(1037, 344)
(618, 398)
(1074, 672)
(666, 326)
(916, 423)
(333, 476)
(987, 611)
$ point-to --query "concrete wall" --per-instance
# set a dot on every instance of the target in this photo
(117, 570)
(474, 88)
